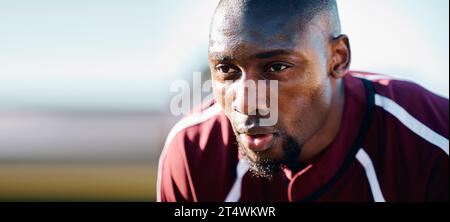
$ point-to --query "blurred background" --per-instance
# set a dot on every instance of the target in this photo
(84, 84)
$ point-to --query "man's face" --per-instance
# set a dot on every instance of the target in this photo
(270, 50)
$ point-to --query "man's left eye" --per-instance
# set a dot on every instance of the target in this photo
(277, 68)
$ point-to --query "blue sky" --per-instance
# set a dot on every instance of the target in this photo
(123, 55)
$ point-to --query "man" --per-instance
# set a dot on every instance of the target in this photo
(339, 135)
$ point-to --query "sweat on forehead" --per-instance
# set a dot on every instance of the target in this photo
(280, 20)
(305, 9)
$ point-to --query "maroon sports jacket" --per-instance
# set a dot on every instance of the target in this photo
(392, 146)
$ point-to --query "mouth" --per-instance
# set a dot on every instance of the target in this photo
(258, 142)
(258, 139)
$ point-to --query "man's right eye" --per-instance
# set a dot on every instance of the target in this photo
(226, 69)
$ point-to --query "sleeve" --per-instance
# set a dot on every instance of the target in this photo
(174, 179)
(438, 177)
(438, 185)
(438, 180)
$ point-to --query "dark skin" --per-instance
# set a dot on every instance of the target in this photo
(308, 61)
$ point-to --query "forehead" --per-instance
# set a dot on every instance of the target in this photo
(239, 32)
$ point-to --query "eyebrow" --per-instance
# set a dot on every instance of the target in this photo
(273, 53)
(223, 58)
(261, 55)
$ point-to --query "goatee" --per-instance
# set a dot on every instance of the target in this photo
(263, 167)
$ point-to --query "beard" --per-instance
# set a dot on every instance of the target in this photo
(264, 167)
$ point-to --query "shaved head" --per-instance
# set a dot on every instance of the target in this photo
(292, 15)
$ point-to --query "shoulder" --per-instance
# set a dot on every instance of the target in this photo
(198, 123)
(408, 144)
(411, 105)
(186, 145)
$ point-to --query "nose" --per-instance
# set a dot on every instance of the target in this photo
(250, 97)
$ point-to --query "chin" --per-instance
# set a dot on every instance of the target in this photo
(265, 163)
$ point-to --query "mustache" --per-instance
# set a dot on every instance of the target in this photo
(251, 126)
(256, 130)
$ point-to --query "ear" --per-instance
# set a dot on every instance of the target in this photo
(340, 56)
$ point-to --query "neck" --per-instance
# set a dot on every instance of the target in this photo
(325, 135)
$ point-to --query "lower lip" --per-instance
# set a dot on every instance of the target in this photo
(259, 143)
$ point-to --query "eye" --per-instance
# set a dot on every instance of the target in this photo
(226, 69)
(277, 67)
